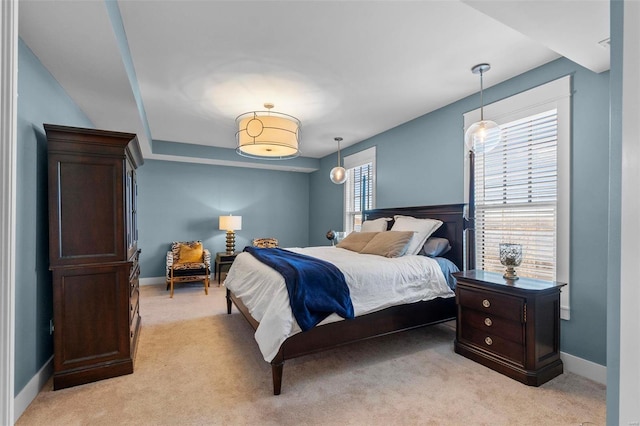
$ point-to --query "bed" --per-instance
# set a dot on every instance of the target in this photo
(332, 333)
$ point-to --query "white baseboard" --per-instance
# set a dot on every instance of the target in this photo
(30, 391)
(158, 280)
(152, 281)
(584, 368)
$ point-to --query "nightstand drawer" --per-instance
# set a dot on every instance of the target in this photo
(492, 303)
(488, 323)
(496, 344)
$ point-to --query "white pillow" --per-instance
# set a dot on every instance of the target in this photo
(377, 225)
(422, 228)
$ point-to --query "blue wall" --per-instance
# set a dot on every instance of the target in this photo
(182, 201)
(421, 163)
(40, 100)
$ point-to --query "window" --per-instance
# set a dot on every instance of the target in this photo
(360, 188)
(521, 187)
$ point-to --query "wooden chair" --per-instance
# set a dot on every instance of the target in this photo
(188, 261)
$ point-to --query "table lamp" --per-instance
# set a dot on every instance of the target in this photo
(230, 224)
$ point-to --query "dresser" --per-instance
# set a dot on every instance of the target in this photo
(93, 252)
(510, 326)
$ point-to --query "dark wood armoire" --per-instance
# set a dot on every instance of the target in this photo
(93, 252)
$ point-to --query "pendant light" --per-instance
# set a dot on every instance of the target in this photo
(479, 138)
(338, 174)
(267, 135)
(483, 131)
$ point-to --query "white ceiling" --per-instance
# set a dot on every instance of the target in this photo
(344, 68)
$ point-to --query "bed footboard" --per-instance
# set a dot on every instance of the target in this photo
(387, 321)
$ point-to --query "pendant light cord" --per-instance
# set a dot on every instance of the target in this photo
(338, 139)
(481, 98)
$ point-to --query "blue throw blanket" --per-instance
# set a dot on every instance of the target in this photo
(316, 288)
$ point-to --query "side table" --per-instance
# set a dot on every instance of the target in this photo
(223, 259)
(510, 326)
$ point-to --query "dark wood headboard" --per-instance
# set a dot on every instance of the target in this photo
(452, 227)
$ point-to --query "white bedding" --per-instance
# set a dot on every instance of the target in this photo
(375, 283)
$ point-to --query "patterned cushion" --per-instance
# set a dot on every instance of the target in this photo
(187, 252)
(188, 266)
(180, 273)
(265, 242)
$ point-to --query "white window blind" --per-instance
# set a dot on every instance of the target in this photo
(359, 189)
(516, 196)
(522, 186)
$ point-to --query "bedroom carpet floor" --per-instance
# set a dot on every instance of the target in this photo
(196, 365)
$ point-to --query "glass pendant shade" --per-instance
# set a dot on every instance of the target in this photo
(338, 174)
(481, 136)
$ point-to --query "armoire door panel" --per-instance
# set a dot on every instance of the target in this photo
(89, 206)
(91, 306)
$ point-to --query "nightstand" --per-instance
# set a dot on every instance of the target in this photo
(223, 259)
(510, 326)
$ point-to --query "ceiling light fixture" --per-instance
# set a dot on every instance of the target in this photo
(477, 135)
(338, 174)
(267, 135)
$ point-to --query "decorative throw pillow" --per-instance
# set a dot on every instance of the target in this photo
(376, 225)
(435, 246)
(423, 229)
(356, 241)
(265, 242)
(388, 244)
(190, 252)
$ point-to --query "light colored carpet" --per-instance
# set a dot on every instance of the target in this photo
(196, 365)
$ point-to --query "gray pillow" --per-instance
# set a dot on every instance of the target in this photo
(435, 246)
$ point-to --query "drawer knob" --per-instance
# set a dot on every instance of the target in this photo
(488, 341)
(486, 303)
(488, 322)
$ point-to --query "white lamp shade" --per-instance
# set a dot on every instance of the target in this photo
(482, 136)
(230, 223)
(273, 136)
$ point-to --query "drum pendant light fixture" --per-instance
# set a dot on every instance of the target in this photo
(267, 135)
(481, 132)
(338, 174)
